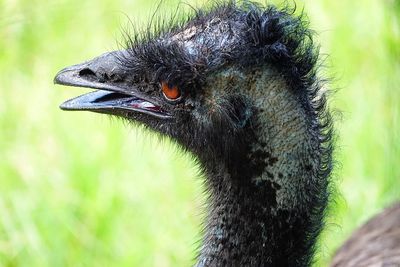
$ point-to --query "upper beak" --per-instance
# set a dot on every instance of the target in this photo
(116, 95)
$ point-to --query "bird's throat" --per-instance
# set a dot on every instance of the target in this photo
(268, 211)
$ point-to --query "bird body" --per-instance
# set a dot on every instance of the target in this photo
(376, 243)
(236, 85)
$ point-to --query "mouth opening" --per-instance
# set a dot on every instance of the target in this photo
(111, 97)
(111, 102)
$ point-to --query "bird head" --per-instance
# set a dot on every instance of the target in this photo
(201, 82)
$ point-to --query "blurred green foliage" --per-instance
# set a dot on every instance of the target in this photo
(77, 189)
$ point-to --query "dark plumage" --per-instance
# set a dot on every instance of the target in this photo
(251, 110)
(248, 104)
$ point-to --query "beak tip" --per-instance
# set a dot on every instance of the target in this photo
(56, 79)
(62, 77)
(66, 105)
(62, 106)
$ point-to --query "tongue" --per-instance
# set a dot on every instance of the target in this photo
(142, 104)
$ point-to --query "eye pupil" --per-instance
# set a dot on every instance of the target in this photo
(170, 92)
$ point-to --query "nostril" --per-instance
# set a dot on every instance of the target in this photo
(86, 72)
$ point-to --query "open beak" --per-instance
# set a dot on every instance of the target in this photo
(115, 95)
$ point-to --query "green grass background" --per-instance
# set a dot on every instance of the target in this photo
(79, 189)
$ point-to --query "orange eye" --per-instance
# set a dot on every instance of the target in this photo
(170, 92)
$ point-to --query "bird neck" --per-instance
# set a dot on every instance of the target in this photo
(267, 203)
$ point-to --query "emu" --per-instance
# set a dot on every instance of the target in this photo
(237, 86)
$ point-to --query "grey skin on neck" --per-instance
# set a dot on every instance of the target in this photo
(250, 109)
(266, 214)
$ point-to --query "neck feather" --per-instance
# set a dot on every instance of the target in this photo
(271, 213)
